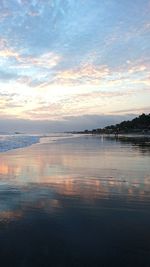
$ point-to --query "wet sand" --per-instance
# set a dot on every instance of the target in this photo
(76, 202)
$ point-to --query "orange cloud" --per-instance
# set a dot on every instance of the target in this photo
(9, 53)
(47, 60)
(137, 68)
(6, 51)
(87, 73)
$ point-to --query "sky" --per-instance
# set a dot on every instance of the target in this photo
(73, 64)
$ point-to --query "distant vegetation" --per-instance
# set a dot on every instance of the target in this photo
(139, 124)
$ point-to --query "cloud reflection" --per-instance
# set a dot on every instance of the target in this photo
(44, 176)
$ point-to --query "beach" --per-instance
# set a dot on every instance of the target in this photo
(75, 201)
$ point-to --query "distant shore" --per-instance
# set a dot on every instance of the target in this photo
(138, 126)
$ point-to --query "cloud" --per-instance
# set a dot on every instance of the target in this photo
(139, 110)
(46, 60)
(6, 51)
(42, 96)
(53, 111)
(33, 14)
(5, 14)
(80, 103)
(25, 68)
(10, 124)
(65, 58)
(85, 74)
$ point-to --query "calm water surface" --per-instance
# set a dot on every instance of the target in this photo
(81, 201)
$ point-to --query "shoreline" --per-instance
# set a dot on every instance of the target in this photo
(141, 139)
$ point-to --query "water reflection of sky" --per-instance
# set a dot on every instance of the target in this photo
(75, 202)
(88, 170)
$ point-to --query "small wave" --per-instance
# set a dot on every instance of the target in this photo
(9, 142)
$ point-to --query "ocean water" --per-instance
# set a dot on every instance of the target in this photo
(75, 201)
(13, 141)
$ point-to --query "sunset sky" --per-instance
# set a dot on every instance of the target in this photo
(68, 64)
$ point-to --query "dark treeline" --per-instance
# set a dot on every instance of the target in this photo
(139, 124)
